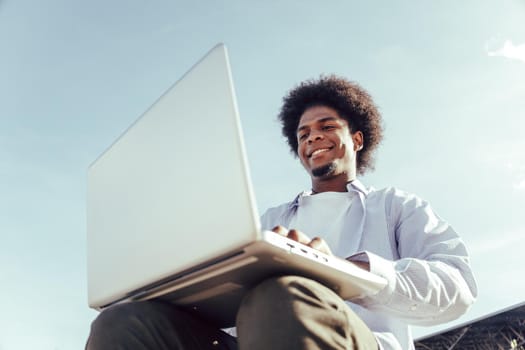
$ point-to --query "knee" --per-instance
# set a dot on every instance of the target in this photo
(126, 321)
(273, 292)
(119, 316)
(277, 288)
(287, 297)
(147, 325)
(285, 285)
(112, 325)
(290, 289)
(296, 310)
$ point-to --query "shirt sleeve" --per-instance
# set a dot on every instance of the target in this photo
(432, 281)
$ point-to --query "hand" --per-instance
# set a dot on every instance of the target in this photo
(298, 236)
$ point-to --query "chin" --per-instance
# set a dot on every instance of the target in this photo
(324, 170)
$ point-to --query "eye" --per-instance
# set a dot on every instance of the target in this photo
(302, 136)
(328, 127)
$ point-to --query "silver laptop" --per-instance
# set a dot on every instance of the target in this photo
(171, 212)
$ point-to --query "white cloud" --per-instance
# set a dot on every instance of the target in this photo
(509, 50)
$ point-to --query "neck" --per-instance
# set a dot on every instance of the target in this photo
(334, 184)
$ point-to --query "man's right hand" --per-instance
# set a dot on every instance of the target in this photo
(300, 237)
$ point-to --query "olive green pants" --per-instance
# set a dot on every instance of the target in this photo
(288, 312)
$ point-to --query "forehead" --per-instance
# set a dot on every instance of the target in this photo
(319, 114)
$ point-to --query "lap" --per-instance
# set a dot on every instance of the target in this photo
(291, 311)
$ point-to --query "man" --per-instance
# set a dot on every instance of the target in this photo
(333, 127)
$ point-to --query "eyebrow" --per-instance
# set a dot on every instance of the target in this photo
(322, 120)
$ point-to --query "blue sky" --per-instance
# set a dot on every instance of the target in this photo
(449, 78)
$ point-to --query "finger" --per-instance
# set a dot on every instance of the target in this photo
(298, 236)
(316, 242)
(283, 231)
(293, 234)
(321, 245)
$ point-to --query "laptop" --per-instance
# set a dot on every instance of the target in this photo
(171, 212)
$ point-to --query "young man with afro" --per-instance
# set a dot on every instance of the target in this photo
(333, 127)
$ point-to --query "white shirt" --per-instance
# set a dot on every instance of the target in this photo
(323, 215)
(423, 259)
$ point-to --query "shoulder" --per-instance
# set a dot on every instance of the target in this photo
(273, 211)
(389, 194)
(394, 200)
(392, 194)
(386, 194)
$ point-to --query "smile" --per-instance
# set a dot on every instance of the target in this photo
(318, 151)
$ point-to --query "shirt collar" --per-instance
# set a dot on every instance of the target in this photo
(353, 186)
(357, 186)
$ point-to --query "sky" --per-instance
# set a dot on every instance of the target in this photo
(448, 77)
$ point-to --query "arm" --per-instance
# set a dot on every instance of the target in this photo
(432, 281)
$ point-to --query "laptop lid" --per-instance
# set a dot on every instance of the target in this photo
(164, 196)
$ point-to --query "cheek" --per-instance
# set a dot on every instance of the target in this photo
(346, 151)
(342, 148)
(347, 144)
(300, 154)
(300, 151)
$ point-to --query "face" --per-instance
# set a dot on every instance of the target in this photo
(326, 146)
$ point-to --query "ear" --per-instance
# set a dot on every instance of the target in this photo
(358, 139)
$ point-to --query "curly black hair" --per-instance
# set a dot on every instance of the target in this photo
(350, 101)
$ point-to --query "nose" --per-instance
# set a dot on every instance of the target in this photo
(314, 136)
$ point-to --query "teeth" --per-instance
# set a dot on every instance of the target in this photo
(317, 151)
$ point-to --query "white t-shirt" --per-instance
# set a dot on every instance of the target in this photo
(325, 215)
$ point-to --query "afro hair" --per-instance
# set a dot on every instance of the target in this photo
(350, 101)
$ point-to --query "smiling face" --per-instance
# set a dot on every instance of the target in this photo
(326, 146)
